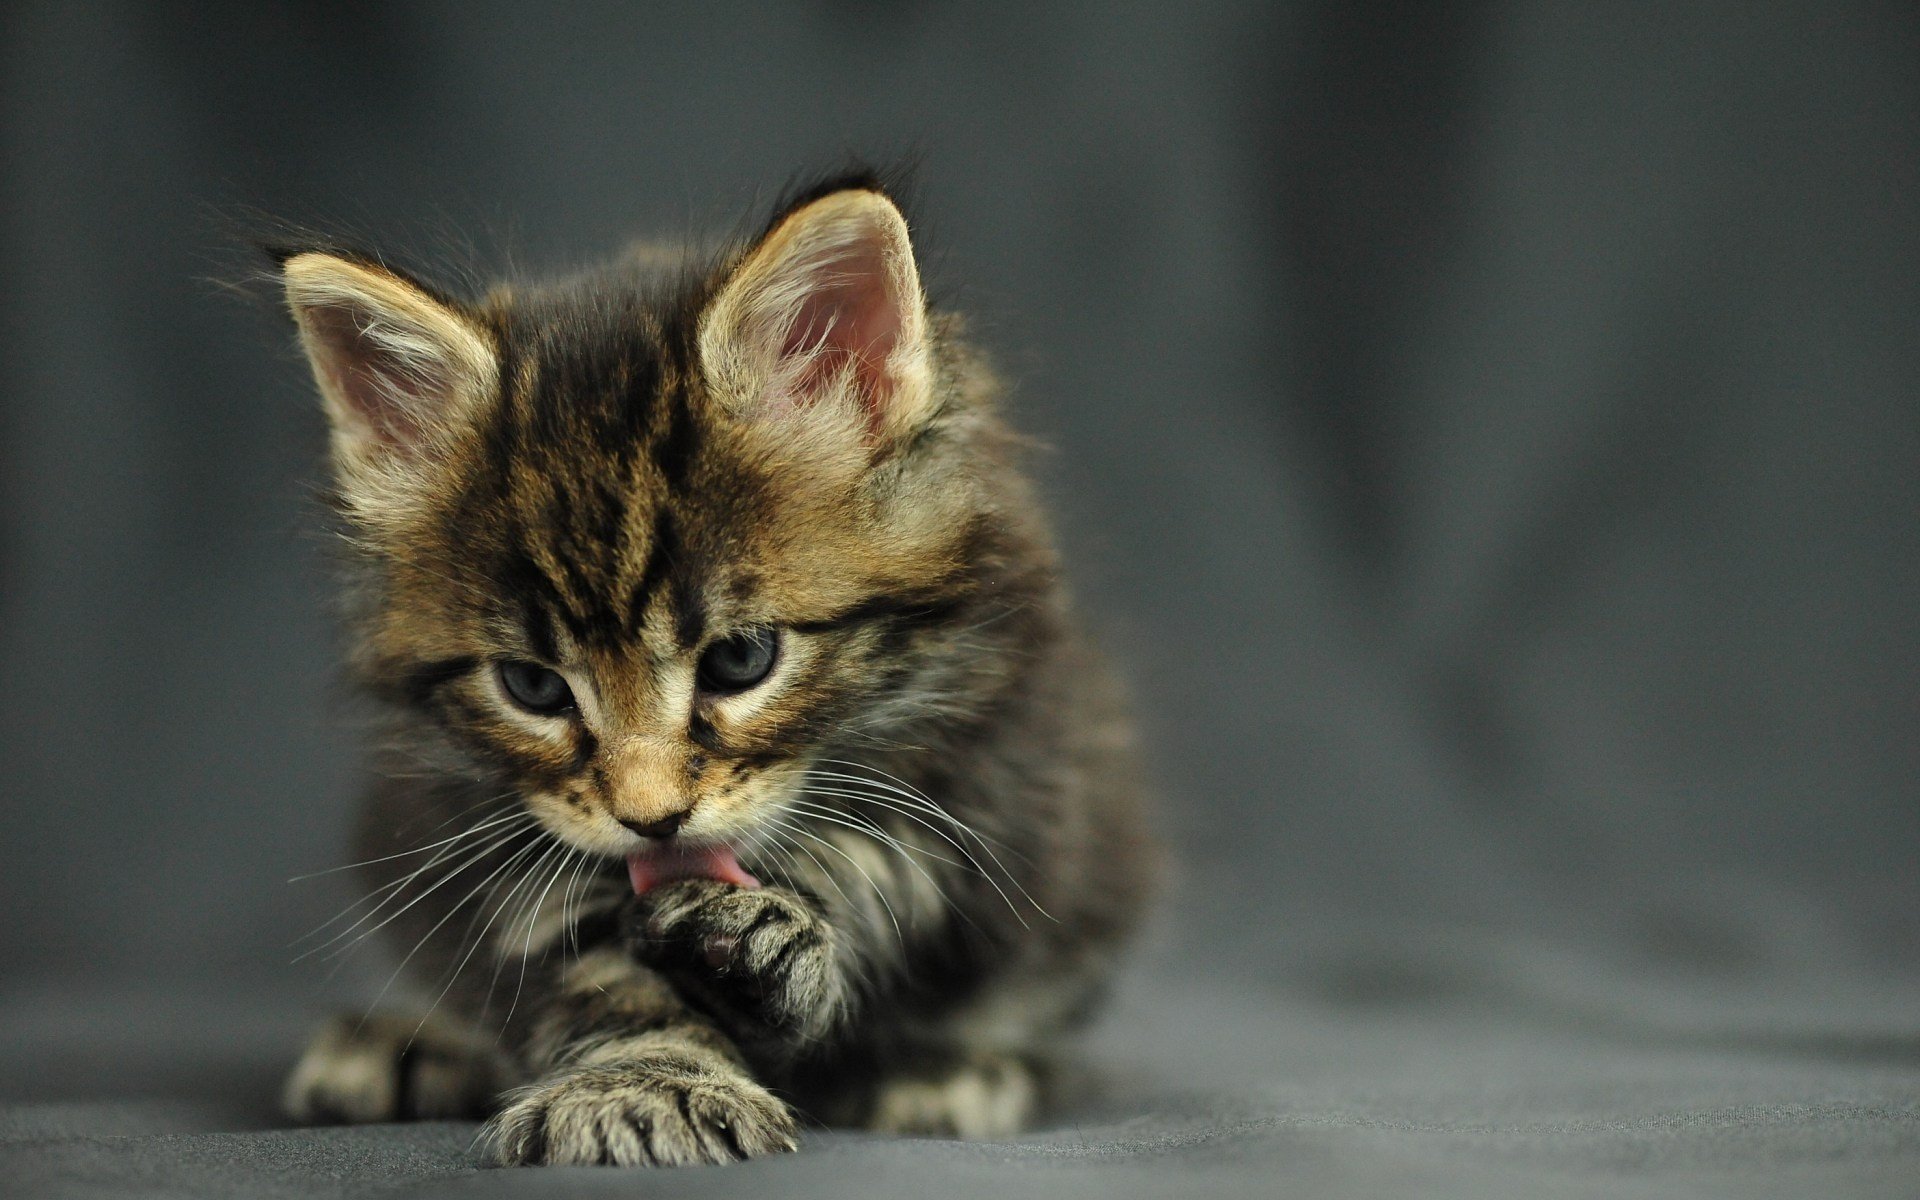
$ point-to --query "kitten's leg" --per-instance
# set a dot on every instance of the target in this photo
(978, 1095)
(633, 1078)
(763, 961)
(784, 968)
(777, 969)
(392, 1067)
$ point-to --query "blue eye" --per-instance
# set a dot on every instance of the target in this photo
(535, 688)
(736, 663)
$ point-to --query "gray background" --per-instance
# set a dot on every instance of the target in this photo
(1487, 435)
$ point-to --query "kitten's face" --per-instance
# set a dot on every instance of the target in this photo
(627, 647)
(643, 561)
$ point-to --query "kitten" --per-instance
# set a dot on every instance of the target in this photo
(741, 762)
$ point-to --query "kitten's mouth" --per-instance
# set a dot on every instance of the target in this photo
(671, 861)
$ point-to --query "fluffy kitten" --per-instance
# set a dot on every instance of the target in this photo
(741, 762)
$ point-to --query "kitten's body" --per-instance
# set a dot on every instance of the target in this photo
(611, 480)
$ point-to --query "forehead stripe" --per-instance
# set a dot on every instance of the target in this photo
(689, 619)
(539, 599)
(679, 439)
(660, 556)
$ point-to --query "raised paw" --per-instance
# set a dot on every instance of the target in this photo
(761, 959)
(389, 1067)
(665, 1111)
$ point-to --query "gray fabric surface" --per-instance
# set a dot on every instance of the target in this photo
(1487, 436)
(1470, 1090)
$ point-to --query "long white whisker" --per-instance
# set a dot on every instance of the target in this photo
(786, 830)
(919, 798)
(526, 883)
(864, 824)
(569, 913)
(906, 792)
(492, 906)
(493, 878)
(905, 850)
(877, 891)
(769, 840)
(405, 853)
(528, 880)
(378, 897)
(912, 813)
(468, 810)
(501, 838)
(533, 915)
(992, 878)
(447, 849)
(867, 797)
(451, 912)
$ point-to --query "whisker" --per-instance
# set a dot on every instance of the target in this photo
(905, 850)
(971, 862)
(396, 889)
(570, 913)
(913, 813)
(453, 976)
(786, 830)
(867, 826)
(533, 915)
(502, 950)
(384, 890)
(918, 798)
(451, 912)
(469, 810)
(879, 894)
(404, 853)
(864, 824)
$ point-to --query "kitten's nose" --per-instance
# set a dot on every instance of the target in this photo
(665, 827)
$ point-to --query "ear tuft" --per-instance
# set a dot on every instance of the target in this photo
(397, 367)
(825, 317)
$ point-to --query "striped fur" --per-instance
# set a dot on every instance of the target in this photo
(605, 476)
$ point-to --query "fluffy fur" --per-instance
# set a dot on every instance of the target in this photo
(606, 478)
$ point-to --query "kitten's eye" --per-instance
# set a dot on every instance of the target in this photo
(737, 663)
(535, 688)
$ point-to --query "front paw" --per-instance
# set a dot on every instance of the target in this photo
(762, 959)
(390, 1067)
(665, 1111)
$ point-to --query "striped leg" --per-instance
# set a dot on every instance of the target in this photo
(391, 1067)
(633, 1078)
(763, 963)
(974, 1096)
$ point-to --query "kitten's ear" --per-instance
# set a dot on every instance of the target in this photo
(825, 317)
(397, 367)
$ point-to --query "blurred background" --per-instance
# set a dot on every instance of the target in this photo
(1486, 434)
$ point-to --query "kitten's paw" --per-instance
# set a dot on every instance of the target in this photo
(389, 1067)
(762, 958)
(979, 1097)
(664, 1111)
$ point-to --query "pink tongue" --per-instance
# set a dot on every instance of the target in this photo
(649, 869)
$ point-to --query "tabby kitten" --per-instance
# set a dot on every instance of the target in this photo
(740, 760)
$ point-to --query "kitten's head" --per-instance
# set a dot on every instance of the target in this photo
(644, 551)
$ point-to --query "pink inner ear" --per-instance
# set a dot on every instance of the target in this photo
(394, 399)
(850, 316)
